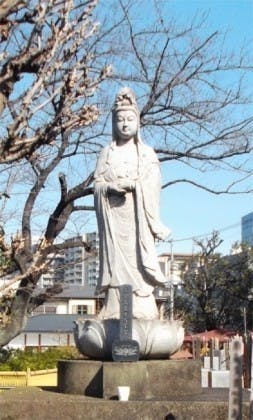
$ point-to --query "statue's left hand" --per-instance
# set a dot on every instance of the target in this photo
(163, 233)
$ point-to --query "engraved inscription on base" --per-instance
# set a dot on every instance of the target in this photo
(125, 351)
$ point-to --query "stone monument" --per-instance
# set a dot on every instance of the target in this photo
(127, 190)
(124, 348)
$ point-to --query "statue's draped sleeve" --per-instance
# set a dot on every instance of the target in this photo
(148, 209)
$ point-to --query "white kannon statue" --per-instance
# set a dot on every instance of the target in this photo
(127, 190)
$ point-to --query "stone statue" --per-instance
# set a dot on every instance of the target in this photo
(127, 190)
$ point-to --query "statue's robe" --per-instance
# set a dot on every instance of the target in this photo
(128, 225)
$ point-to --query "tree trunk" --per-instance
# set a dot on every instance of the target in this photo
(17, 319)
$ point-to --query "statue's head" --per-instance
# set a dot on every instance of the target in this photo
(125, 105)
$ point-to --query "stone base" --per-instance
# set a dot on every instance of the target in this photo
(148, 379)
(215, 378)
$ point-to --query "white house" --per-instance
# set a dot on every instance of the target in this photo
(51, 324)
(72, 300)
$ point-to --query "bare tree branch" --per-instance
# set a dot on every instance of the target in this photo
(56, 88)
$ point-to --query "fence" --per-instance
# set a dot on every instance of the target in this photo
(29, 378)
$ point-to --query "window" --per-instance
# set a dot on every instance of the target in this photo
(80, 309)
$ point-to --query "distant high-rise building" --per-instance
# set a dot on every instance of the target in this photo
(92, 262)
(74, 272)
(80, 267)
(74, 266)
(247, 228)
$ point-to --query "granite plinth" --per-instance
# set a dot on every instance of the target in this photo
(148, 379)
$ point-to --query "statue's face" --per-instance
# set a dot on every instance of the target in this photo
(126, 124)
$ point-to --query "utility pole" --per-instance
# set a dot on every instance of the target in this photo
(171, 278)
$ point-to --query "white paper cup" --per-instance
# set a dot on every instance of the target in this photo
(123, 393)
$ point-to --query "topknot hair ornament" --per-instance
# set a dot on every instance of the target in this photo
(125, 100)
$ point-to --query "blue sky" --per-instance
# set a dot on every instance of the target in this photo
(188, 211)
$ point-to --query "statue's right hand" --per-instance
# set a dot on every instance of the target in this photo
(117, 189)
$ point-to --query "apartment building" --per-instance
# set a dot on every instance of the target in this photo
(82, 268)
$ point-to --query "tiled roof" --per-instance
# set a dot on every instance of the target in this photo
(72, 292)
(76, 292)
(52, 323)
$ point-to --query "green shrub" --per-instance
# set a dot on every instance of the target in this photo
(20, 360)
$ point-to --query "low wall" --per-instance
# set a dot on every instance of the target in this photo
(33, 404)
(46, 377)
